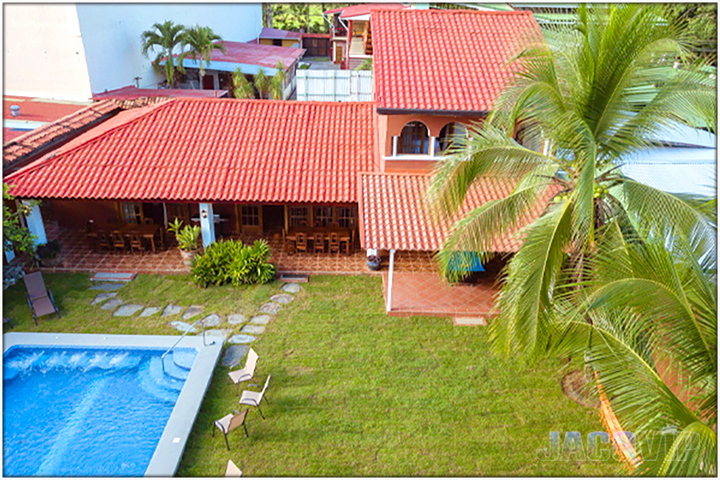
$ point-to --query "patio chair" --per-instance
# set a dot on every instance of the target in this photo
(118, 242)
(301, 242)
(232, 470)
(246, 373)
(229, 423)
(334, 244)
(345, 245)
(253, 399)
(136, 243)
(319, 243)
(39, 298)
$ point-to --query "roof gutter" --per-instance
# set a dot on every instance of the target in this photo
(446, 113)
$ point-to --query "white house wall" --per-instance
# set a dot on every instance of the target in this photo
(43, 51)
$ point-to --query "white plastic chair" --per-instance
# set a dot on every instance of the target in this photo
(246, 373)
(253, 399)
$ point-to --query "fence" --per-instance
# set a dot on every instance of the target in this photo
(317, 44)
(335, 85)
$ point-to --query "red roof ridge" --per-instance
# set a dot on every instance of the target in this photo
(122, 120)
(455, 12)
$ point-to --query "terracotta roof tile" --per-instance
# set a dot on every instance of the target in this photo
(394, 214)
(455, 60)
(213, 150)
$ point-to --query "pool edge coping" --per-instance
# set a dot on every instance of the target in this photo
(168, 454)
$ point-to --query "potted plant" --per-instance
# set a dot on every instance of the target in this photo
(49, 253)
(374, 262)
(188, 239)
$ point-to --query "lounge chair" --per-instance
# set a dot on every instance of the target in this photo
(39, 298)
(229, 423)
(232, 470)
(246, 373)
(253, 399)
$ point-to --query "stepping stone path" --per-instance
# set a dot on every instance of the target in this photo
(241, 339)
(222, 332)
(192, 311)
(291, 288)
(112, 304)
(235, 319)
(212, 320)
(150, 311)
(182, 326)
(171, 310)
(108, 287)
(270, 308)
(234, 354)
(260, 319)
(127, 310)
(252, 329)
(101, 297)
(282, 298)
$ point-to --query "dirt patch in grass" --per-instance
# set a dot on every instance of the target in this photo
(576, 388)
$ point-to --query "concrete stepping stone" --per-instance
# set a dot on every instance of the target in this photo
(128, 310)
(101, 297)
(260, 319)
(182, 326)
(150, 311)
(270, 308)
(235, 319)
(282, 298)
(223, 333)
(253, 329)
(234, 354)
(108, 287)
(192, 311)
(212, 320)
(291, 288)
(172, 310)
(238, 338)
(112, 304)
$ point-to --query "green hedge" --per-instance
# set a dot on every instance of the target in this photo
(231, 261)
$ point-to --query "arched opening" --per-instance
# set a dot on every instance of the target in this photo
(449, 136)
(414, 139)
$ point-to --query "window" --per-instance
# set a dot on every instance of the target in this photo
(277, 42)
(449, 136)
(131, 213)
(250, 216)
(414, 139)
(323, 216)
(298, 216)
(346, 217)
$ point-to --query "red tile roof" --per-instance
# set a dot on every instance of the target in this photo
(366, 8)
(213, 150)
(394, 214)
(266, 56)
(276, 33)
(454, 60)
(39, 109)
(131, 93)
(30, 145)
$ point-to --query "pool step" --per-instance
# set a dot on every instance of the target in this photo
(173, 370)
(184, 357)
(156, 383)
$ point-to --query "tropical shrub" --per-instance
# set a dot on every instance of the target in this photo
(49, 250)
(231, 261)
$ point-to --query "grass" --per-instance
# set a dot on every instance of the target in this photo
(355, 392)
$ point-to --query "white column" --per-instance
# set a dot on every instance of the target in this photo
(35, 222)
(207, 224)
(388, 307)
(394, 145)
(165, 219)
(432, 146)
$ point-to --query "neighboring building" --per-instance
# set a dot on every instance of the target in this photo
(133, 93)
(23, 114)
(70, 51)
(279, 38)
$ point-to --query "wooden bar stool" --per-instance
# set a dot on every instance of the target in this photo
(118, 242)
(345, 243)
(301, 242)
(334, 243)
(319, 243)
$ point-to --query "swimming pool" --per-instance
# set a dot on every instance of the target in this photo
(100, 405)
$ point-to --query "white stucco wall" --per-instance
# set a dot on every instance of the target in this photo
(111, 35)
(43, 52)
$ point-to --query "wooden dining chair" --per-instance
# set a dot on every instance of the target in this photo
(118, 242)
(136, 243)
(288, 242)
(345, 245)
(334, 243)
(103, 241)
(319, 243)
(301, 242)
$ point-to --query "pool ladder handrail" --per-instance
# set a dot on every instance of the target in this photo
(202, 326)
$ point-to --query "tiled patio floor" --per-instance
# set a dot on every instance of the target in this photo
(78, 257)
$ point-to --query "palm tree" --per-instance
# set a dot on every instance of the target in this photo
(242, 88)
(277, 83)
(591, 94)
(262, 83)
(164, 37)
(201, 42)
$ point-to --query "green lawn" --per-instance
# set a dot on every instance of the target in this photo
(355, 392)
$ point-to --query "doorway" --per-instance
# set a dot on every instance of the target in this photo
(273, 218)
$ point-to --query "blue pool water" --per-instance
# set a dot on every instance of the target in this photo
(84, 411)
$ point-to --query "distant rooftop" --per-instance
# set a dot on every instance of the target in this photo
(250, 54)
(132, 93)
(277, 34)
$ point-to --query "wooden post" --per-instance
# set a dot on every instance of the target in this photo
(287, 220)
(237, 218)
